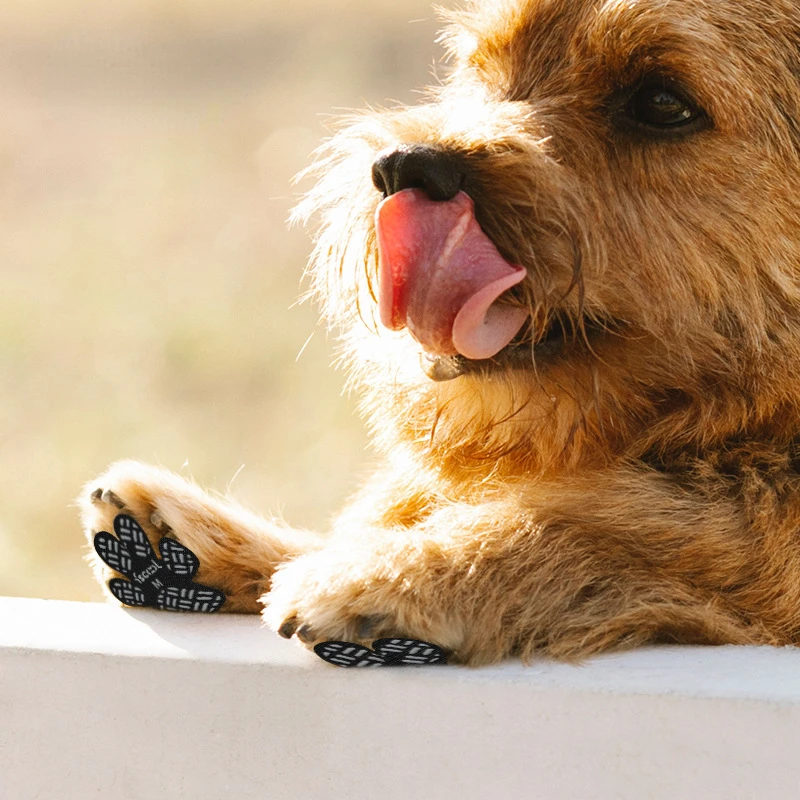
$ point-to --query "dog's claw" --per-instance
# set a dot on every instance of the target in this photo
(305, 634)
(288, 628)
(109, 498)
(157, 521)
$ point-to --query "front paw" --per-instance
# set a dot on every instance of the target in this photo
(164, 506)
(127, 487)
(358, 596)
(164, 581)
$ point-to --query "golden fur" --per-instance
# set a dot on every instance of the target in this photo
(643, 483)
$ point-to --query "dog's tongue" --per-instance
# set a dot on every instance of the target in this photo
(440, 275)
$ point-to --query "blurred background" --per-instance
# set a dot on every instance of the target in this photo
(148, 278)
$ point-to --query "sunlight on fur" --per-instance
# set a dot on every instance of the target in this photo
(623, 470)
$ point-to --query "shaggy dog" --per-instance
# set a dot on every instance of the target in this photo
(569, 288)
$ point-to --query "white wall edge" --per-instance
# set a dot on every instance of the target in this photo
(100, 701)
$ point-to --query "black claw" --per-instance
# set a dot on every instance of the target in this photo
(288, 628)
(96, 495)
(305, 634)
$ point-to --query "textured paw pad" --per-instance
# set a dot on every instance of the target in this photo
(166, 584)
(384, 653)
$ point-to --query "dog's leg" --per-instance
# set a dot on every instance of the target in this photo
(237, 550)
(610, 560)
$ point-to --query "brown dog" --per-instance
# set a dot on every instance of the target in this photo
(587, 246)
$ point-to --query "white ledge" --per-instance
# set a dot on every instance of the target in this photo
(100, 701)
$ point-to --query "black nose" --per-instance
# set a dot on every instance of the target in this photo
(418, 166)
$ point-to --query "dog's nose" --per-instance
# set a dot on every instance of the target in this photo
(418, 166)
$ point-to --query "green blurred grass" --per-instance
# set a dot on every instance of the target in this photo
(148, 276)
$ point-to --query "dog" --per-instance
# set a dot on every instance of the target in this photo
(568, 286)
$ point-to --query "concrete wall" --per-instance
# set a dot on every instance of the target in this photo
(97, 701)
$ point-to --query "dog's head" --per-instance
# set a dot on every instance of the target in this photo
(586, 243)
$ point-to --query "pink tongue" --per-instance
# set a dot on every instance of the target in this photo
(440, 276)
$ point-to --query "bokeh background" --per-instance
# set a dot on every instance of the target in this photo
(147, 275)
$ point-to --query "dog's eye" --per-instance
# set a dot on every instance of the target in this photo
(662, 108)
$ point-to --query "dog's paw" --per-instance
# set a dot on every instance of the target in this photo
(127, 487)
(356, 596)
(152, 496)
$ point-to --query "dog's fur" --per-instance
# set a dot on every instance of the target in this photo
(640, 484)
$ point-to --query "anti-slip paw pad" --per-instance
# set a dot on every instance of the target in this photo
(165, 584)
(384, 653)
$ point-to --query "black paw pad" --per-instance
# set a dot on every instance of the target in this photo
(384, 653)
(409, 652)
(166, 583)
